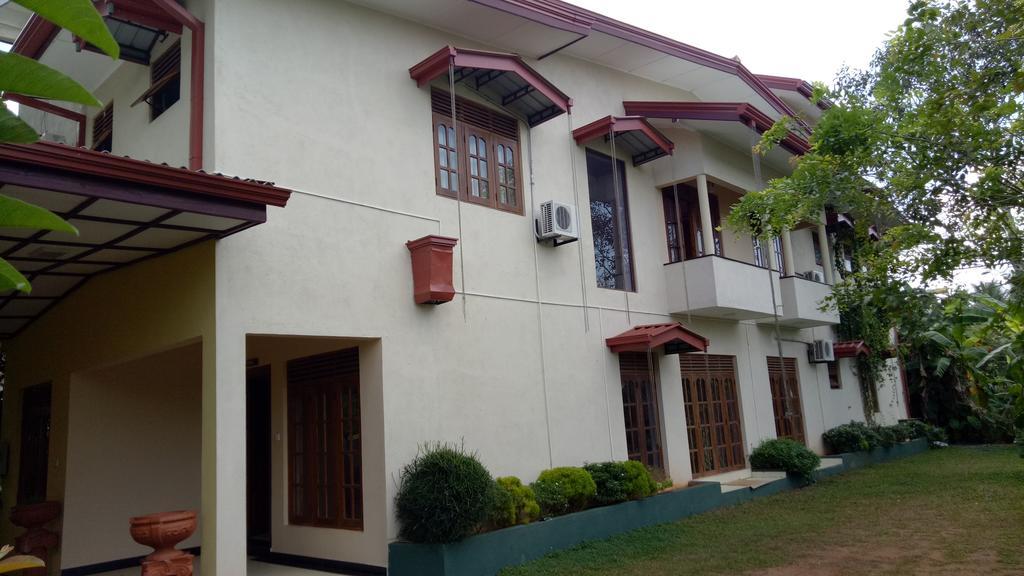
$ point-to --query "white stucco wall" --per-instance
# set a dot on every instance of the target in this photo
(147, 413)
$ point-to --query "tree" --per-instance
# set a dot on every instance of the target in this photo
(28, 77)
(928, 143)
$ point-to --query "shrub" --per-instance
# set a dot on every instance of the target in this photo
(904, 431)
(513, 503)
(621, 481)
(564, 490)
(444, 495)
(785, 454)
(886, 436)
(846, 438)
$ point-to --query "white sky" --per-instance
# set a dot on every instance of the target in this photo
(808, 39)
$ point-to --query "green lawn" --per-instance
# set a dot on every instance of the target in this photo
(954, 511)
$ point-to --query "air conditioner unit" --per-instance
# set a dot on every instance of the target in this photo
(557, 222)
(821, 351)
(814, 275)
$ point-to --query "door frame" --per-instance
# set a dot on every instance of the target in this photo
(802, 429)
(628, 369)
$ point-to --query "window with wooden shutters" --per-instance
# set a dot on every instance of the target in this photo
(784, 380)
(165, 81)
(103, 129)
(324, 441)
(640, 409)
(482, 154)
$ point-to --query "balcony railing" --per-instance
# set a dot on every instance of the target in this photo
(717, 287)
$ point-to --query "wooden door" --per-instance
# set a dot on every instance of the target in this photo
(712, 409)
(641, 409)
(789, 416)
(33, 469)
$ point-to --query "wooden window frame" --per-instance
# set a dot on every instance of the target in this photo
(344, 427)
(164, 73)
(684, 212)
(466, 128)
(103, 127)
(624, 235)
(835, 376)
(793, 401)
(634, 369)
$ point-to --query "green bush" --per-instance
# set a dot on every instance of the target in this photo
(904, 431)
(886, 436)
(621, 481)
(513, 503)
(564, 490)
(785, 454)
(846, 438)
(445, 494)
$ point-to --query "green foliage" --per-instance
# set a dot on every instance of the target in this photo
(787, 455)
(563, 490)
(514, 503)
(663, 485)
(80, 18)
(621, 481)
(852, 437)
(26, 76)
(17, 214)
(445, 494)
(858, 436)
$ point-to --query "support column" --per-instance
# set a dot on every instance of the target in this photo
(223, 518)
(787, 253)
(707, 233)
(826, 252)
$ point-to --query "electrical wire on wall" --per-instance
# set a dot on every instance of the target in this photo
(579, 245)
(458, 191)
(620, 217)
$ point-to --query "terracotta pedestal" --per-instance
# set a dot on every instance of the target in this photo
(162, 532)
(432, 269)
(36, 541)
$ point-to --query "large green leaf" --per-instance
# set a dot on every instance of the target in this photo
(23, 75)
(17, 214)
(14, 129)
(78, 16)
(11, 279)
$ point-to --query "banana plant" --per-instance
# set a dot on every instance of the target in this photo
(21, 75)
(10, 564)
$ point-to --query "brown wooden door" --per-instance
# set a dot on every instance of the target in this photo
(35, 444)
(789, 416)
(712, 410)
(641, 408)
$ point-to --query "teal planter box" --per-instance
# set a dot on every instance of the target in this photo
(486, 554)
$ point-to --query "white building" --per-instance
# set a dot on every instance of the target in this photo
(178, 352)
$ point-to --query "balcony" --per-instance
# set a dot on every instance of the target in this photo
(717, 287)
(801, 303)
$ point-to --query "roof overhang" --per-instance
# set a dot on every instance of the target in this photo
(501, 77)
(674, 337)
(635, 134)
(125, 210)
(797, 94)
(850, 349)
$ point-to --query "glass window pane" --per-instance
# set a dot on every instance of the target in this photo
(476, 186)
(609, 216)
(473, 167)
(483, 148)
(455, 182)
(501, 154)
(511, 157)
(484, 193)
(444, 178)
(483, 168)
(472, 145)
(442, 156)
(440, 135)
(453, 159)
(452, 142)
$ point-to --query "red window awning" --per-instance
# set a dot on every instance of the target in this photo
(850, 349)
(674, 336)
(500, 77)
(633, 133)
(716, 111)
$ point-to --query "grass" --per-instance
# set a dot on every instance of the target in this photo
(954, 511)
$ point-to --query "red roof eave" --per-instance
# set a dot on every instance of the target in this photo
(437, 64)
(716, 111)
(35, 37)
(100, 164)
(801, 87)
(620, 124)
(568, 17)
(651, 336)
(851, 349)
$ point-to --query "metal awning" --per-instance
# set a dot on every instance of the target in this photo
(673, 336)
(720, 112)
(499, 77)
(125, 210)
(632, 133)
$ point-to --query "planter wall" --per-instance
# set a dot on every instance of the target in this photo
(486, 554)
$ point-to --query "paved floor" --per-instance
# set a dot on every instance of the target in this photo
(255, 569)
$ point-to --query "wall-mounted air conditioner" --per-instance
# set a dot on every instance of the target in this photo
(557, 222)
(821, 351)
(814, 275)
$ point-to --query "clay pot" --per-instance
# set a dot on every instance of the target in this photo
(35, 515)
(163, 531)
